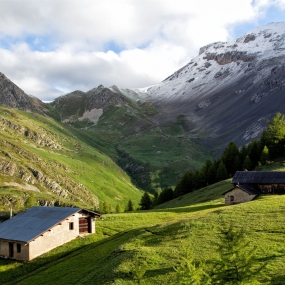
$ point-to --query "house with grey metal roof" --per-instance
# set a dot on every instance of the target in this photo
(41, 229)
(250, 184)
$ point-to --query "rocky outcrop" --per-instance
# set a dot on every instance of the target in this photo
(8, 168)
(204, 104)
(49, 183)
(102, 98)
(13, 97)
(41, 138)
(230, 56)
(74, 105)
(249, 37)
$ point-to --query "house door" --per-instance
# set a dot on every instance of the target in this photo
(11, 249)
(84, 225)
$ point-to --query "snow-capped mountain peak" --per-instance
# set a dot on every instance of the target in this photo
(221, 62)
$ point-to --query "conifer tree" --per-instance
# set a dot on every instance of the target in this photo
(146, 203)
(247, 164)
(221, 172)
(189, 271)
(264, 155)
(130, 206)
(237, 262)
(118, 208)
(231, 158)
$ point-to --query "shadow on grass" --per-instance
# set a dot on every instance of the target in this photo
(278, 280)
(20, 270)
(191, 209)
(148, 275)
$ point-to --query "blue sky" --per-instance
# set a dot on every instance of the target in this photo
(272, 14)
(52, 47)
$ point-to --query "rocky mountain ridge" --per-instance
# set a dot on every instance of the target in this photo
(229, 90)
(14, 97)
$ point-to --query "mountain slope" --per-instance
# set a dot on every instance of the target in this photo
(229, 90)
(41, 156)
(125, 129)
(13, 97)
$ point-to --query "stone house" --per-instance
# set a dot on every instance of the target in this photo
(250, 184)
(41, 229)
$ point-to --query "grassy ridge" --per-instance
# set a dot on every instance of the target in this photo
(79, 174)
(154, 241)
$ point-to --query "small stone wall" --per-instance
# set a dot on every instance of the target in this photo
(236, 196)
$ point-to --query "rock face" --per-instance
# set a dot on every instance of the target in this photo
(74, 105)
(13, 97)
(229, 91)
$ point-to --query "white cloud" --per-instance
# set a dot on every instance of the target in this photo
(59, 46)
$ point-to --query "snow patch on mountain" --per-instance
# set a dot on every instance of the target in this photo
(219, 64)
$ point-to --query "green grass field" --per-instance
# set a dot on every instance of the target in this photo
(144, 247)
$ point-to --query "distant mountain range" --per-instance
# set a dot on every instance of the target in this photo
(227, 93)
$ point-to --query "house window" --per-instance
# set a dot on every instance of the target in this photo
(18, 247)
(71, 227)
(232, 198)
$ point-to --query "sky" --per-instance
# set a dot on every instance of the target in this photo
(52, 47)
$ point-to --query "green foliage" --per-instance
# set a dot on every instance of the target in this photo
(146, 202)
(130, 206)
(118, 208)
(254, 152)
(237, 262)
(105, 208)
(165, 195)
(221, 172)
(276, 128)
(30, 201)
(231, 158)
(247, 164)
(188, 270)
(208, 171)
(138, 268)
(274, 136)
(264, 155)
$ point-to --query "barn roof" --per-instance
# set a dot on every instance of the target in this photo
(244, 188)
(31, 223)
(261, 177)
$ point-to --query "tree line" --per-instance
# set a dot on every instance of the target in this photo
(270, 146)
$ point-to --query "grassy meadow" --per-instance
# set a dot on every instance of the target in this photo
(145, 247)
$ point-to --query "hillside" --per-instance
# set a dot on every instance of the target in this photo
(125, 129)
(42, 160)
(146, 246)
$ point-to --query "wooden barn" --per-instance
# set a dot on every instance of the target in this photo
(41, 229)
(249, 184)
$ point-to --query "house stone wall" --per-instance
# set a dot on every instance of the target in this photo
(5, 252)
(239, 196)
(56, 236)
